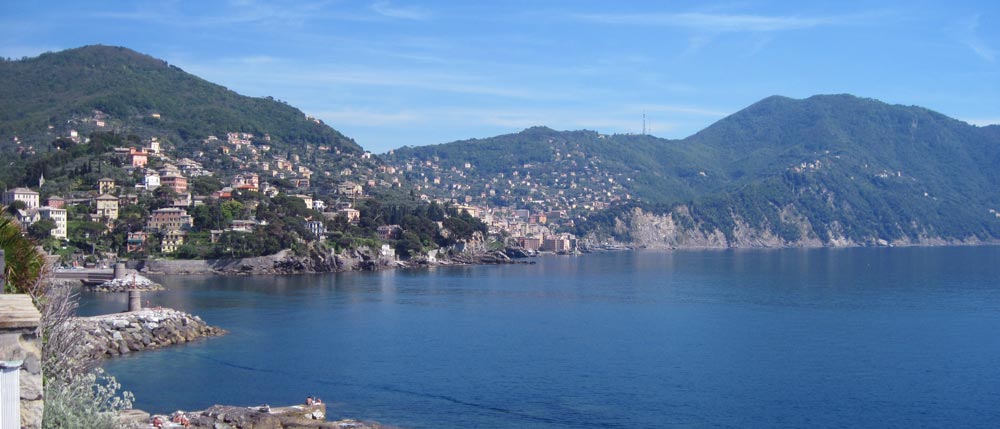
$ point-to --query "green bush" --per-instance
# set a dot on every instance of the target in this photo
(90, 401)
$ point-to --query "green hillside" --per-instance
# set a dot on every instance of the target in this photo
(49, 90)
(824, 168)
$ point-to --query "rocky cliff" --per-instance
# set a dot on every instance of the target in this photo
(678, 229)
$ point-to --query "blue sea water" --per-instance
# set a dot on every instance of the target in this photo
(905, 337)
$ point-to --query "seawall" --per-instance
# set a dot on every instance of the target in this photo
(121, 333)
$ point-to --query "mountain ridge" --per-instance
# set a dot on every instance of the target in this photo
(826, 169)
(133, 87)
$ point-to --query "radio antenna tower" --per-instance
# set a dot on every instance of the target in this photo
(643, 122)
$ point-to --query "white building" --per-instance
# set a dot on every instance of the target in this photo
(29, 197)
(152, 180)
(317, 228)
(58, 216)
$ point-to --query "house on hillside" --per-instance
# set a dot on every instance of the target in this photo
(107, 207)
(151, 180)
(27, 196)
(353, 215)
(317, 228)
(105, 185)
(56, 202)
(58, 217)
(172, 241)
(389, 232)
(169, 219)
(136, 241)
(174, 181)
(350, 189)
(138, 158)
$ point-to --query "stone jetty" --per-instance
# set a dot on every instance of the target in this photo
(121, 333)
(131, 282)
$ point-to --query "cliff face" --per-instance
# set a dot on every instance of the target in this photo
(679, 230)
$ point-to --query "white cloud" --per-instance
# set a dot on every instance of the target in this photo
(711, 22)
(250, 12)
(387, 9)
(270, 72)
(367, 117)
(978, 46)
(982, 122)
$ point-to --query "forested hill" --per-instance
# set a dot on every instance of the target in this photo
(830, 168)
(140, 95)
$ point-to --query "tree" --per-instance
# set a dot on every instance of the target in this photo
(17, 205)
(42, 229)
(25, 264)
(409, 245)
(204, 185)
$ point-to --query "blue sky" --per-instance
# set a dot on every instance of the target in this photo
(394, 73)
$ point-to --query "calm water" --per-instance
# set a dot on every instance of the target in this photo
(817, 338)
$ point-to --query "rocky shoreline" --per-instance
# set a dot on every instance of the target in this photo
(311, 416)
(321, 261)
(117, 334)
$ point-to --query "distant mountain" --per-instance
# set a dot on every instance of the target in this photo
(827, 170)
(141, 95)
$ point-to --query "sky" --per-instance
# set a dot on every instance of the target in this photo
(391, 73)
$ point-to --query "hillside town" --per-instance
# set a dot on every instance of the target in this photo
(563, 182)
(153, 204)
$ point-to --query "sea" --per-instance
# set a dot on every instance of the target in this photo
(862, 337)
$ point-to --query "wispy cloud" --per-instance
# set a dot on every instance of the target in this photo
(711, 21)
(368, 117)
(273, 72)
(661, 118)
(236, 12)
(971, 39)
(387, 9)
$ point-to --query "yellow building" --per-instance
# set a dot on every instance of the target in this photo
(172, 241)
(106, 186)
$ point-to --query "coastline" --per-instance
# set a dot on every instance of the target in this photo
(287, 263)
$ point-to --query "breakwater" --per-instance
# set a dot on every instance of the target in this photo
(121, 333)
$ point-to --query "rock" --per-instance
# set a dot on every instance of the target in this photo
(31, 386)
(264, 417)
(31, 414)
